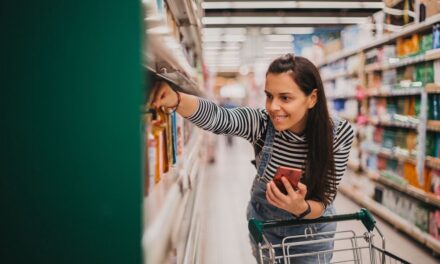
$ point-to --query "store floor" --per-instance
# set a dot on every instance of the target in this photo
(225, 194)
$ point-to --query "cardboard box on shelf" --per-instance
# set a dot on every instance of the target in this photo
(391, 3)
(332, 47)
(432, 7)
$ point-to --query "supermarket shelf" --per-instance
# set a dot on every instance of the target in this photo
(433, 125)
(427, 56)
(412, 191)
(390, 155)
(429, 22)
(180, 81)
(340, 75)
(389, 216)
(432, 54)
(394, 124)
(432, 88)
(432, 162)
(393, 3)
(342, 97)
(167, 53)
(397, 92)
(188, 22)
(165, 200)
(402, 62)
(193, 236)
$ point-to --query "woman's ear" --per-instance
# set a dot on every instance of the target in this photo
(313, 98)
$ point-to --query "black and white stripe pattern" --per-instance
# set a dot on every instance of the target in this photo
(289, 149)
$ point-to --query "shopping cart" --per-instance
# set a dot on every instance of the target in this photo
(348, 246)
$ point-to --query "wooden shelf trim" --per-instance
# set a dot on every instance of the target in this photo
(340, 75)
(339, 97)
(432, 88)
(394, 124)
(397, 92)
(433, 125)
(402, 62)
(412, 191)
(390, 155)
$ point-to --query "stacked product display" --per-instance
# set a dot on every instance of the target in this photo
(172, 145)
(390, 90)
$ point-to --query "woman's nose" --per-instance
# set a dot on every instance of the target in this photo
(274, 105)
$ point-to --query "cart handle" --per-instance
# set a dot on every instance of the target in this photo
(256, 226)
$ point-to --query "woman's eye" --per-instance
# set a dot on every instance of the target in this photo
(268, 96)
(284, 98)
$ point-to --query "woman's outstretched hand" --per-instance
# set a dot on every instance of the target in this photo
(294, 202)
(164, 96)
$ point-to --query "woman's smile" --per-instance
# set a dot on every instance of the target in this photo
(279, 118)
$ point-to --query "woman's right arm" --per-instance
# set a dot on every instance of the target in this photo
(165, 96)
(241, 121)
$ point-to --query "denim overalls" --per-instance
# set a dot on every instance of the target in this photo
(260, 209)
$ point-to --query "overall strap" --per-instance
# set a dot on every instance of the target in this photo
(336, 121)
(266, 151)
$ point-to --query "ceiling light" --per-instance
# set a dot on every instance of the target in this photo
(293, 30)
(285, 38)
(219, 31)
(281, 20)
(226, 38)
(274, 52)
(291, 4)
(279, 48)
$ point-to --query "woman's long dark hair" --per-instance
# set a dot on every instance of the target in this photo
(320, 165)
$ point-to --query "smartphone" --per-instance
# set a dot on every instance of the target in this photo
(293, 175)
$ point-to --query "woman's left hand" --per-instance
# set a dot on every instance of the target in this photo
(294, 202)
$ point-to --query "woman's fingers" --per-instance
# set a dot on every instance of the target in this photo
(277, 194)
(163, 96)
(288, 186)
(302, 189)
(271, 189)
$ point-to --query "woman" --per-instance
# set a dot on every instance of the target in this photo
(295, 130)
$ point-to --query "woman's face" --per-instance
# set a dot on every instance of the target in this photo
(286, 103)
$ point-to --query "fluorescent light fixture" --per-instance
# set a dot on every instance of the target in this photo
(221, 48)
(212, 48)
(222, 55)
(224, 65)
(291, 4)
(226, 38)
(286, 30)
(285, 38)
(229, 61)
(219, 31)
(279, 48)
(227, 44)
(282, 20)
(274, 52)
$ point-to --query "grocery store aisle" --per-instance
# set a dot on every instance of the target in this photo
(225, 194)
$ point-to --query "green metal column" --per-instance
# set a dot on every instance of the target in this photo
(70, 171)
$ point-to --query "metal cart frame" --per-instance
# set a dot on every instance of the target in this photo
(358, 248)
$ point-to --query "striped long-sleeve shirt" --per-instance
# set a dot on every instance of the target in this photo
(289, 149)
